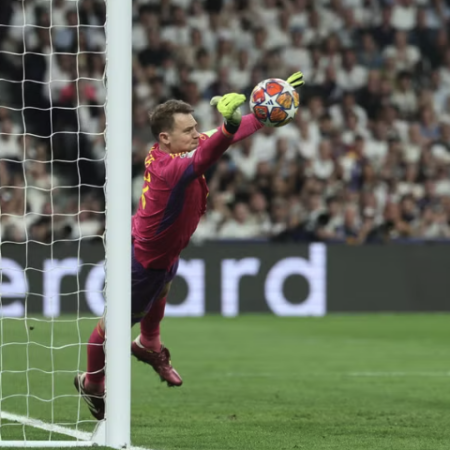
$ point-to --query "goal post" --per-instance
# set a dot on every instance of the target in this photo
(43, 350)
(118, 222)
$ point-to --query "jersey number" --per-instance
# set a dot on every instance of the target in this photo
(144, 190)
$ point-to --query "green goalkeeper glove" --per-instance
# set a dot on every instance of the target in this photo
(296, 80)
(228, 107)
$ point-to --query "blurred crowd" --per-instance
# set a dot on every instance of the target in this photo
(367, 158)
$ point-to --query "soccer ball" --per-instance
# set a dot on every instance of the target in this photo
(274, 102)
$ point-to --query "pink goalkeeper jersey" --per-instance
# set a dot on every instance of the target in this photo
(174, 196)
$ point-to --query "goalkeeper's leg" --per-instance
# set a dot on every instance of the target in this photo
(147, 347)
(91, 385)
(148, 292)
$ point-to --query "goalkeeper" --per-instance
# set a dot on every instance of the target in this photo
(172, 202)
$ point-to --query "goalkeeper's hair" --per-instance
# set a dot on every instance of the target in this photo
(161, 118)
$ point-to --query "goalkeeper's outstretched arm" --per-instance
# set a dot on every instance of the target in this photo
(215, 142)
(249, 125)
(189, 166)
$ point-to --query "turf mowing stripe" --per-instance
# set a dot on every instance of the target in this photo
(80, 435)
(316, 374)
(399, 374)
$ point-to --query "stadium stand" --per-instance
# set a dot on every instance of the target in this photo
(366, 161)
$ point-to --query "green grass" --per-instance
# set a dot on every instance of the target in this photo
(358, 382)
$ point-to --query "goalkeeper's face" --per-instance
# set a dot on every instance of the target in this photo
(183, 137)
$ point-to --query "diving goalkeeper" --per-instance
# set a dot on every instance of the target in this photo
(172, 202)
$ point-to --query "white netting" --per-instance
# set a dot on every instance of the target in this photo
(52, 174)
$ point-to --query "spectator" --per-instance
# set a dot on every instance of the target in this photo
(241, 225)
(367, 158)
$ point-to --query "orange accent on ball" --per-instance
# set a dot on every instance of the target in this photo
(278, 115)
(273, 88)
(261, 112)
(296, 99)
(285, 100)
(258, 95)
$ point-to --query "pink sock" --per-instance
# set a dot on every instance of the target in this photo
(150, 331)
(96, 358)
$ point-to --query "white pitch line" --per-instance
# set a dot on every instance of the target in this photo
(80, 435)
(35, 423)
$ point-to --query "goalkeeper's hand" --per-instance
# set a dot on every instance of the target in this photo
(296, 79)
(228, 107)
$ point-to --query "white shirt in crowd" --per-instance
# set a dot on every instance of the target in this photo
(235, 230)
(404, 17)
(353, 79)
(264, 147)
(404, 60)
(247, 164)
(10, 148)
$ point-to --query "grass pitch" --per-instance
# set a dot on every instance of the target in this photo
(378, 382)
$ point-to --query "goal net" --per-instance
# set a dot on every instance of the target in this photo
(53, 191)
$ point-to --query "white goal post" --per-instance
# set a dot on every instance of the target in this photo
(114, 431)
(118, 223)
